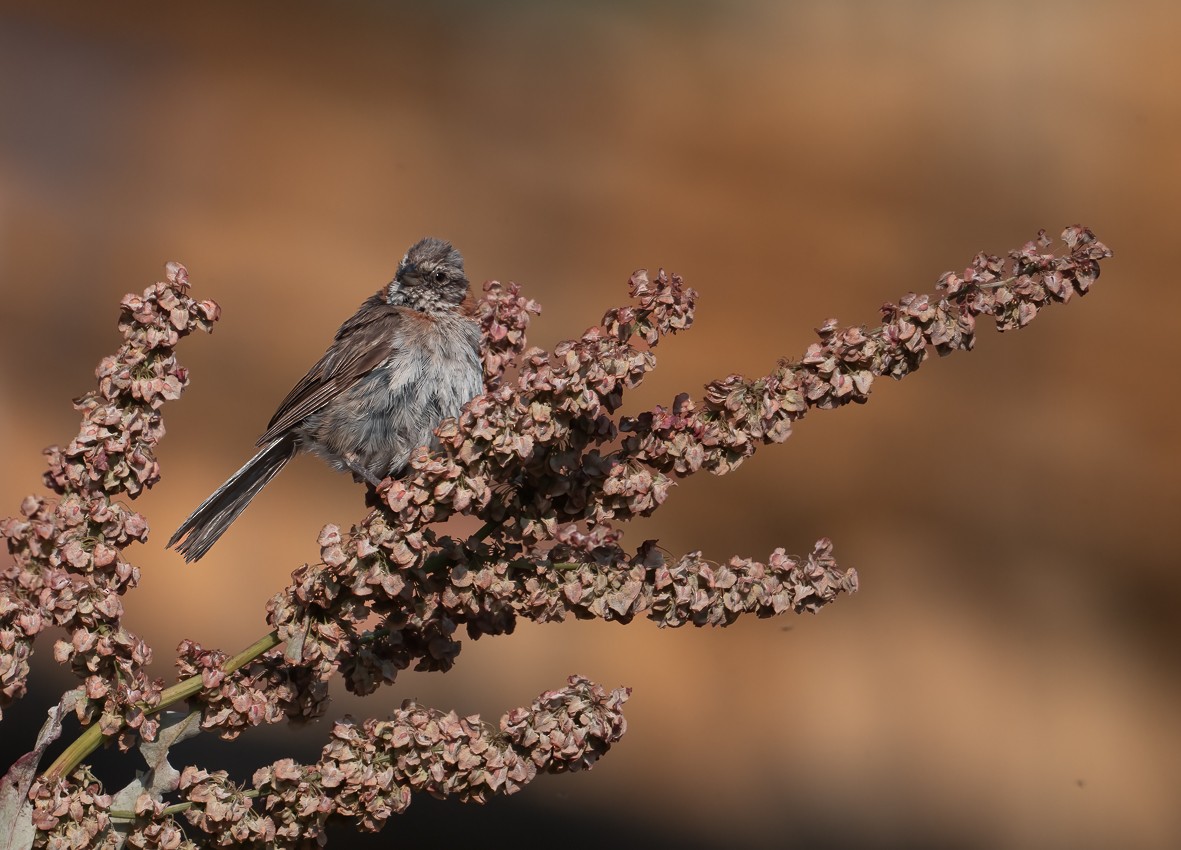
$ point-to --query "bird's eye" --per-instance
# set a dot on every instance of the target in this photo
(440, 277)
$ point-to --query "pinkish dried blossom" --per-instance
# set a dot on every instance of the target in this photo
(68, 568)
(738, 414)
(266, 690)
(161, 832)
(70, 813)
(369, 771)
(504, 318)
(222, 811)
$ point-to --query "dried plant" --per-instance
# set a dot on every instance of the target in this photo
(543, 458)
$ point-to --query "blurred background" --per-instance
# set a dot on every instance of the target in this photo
(1008, 674)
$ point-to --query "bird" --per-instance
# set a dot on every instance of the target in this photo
(406, 360)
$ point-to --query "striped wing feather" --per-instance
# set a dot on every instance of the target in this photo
(361, 344)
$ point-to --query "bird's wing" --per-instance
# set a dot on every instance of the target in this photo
(362, 343)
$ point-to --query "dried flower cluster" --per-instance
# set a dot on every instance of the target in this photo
(504, 318)
(553, 470)
(71, 814)
(738, 415)
(369, 770)
(67, 567)
(366, 773)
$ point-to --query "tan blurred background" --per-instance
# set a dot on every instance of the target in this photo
(1008, 675)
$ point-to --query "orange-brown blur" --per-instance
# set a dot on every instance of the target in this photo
(1008, 674)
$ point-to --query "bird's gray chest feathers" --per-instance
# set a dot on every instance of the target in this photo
(433, 370)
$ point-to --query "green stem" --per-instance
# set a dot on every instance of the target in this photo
(123, 814)
(92, 736)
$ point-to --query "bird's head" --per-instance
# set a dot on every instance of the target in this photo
(429, 278)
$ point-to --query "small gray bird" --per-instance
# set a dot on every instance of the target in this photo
(406, 360)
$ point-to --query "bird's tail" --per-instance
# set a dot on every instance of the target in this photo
(210, 521)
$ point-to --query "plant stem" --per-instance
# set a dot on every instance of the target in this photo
(120, 814)
(92, 736)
